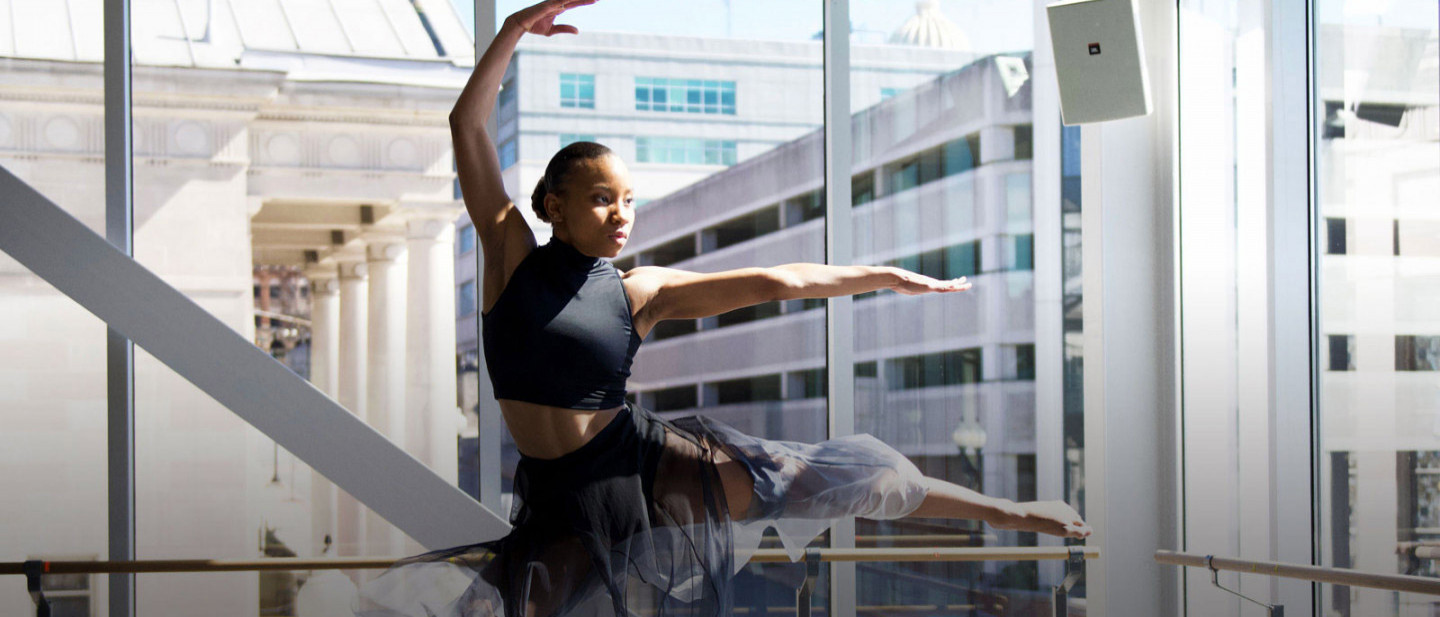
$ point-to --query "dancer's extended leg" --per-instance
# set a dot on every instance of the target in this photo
(949, 500)
(943, 500)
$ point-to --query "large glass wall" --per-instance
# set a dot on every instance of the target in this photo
(52, 351)
(1377, 161)
(720, 128)
(944, 181)
(293, 177)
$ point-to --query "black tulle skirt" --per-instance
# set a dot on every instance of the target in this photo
(635, 522)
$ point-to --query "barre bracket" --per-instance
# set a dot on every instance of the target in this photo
(1275, 609)
(1074, 571)
(807, 588)
(33, 571)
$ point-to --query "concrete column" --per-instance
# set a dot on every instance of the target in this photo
(325, 375)
(386, 360)
(385, 411)
(325, 331)
(434, 420)
(351, 386)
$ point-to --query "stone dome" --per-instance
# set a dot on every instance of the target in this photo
(931, 28)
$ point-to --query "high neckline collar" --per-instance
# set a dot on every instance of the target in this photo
(571, 255)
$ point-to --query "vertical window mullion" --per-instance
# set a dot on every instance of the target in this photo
(839, 249)
(120, 351)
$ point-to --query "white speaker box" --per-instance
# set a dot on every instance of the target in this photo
(1099, 60)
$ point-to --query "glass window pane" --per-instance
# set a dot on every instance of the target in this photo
(930, 376)
(688, 165)
(323, 231)
(1378, 167)
(53, 373)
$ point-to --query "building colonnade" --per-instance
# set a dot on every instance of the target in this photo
(382, 345)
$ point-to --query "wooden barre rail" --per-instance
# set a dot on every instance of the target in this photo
(152, 566)
(929, 538)
(1334, 576)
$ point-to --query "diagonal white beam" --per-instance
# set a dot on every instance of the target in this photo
(203, 350)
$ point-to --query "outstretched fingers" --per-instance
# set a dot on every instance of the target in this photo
(540, 18)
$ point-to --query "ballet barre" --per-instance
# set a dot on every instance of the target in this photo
(1334, 576)
(1074, 558)
(928, 538)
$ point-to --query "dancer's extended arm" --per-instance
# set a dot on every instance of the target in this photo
(665, 293)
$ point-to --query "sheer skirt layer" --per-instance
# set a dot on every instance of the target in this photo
(636, 522)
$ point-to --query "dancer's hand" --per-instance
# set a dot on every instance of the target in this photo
(540, 19)
(911, 283)
(1055, 518)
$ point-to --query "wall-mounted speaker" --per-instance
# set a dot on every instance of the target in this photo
(1099, 60)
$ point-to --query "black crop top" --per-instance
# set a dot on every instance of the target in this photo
(561, 333)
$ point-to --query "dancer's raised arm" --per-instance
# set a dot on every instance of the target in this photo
(666, 293)
(504, 236)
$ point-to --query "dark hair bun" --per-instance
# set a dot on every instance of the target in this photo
(537, 201)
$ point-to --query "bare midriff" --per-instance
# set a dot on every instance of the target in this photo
(546, 432)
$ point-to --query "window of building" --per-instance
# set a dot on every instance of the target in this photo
(507, 94)
(1395, 237)
(748, 314)
(1342, 352)
(746, 390)
(741, 229)
(1416, 237)
(886, 93)
(1024, 142)
(806, 384)
(671, 399)
(577, 91)
(932, 264)
(1018, 361)
(685, 151)
(961, 156)
(955, 157)
(1335, 236)
(696, 96)
(1022, 252)
(862, 189)
(948, 368)
(508, 153)
(962, 260)
(466, 298)
(1417, 353)
(867, 369)
(807, 207)
(570, 138)
(671, 252)
(904, 176)
(466, 242)
(672, 328)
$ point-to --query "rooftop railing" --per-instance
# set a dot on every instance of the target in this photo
(1074, 558)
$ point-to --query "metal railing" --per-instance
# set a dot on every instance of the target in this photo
(1074, 558)
(1319, 574)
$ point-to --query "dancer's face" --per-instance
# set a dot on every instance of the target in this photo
(596, 209)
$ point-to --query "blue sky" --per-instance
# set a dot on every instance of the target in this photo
(992, 25)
